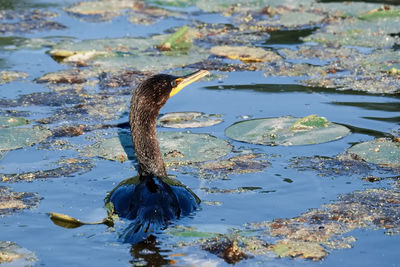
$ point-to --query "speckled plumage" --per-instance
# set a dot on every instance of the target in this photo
(146, 102)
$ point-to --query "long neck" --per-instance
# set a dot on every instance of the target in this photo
(143, 119)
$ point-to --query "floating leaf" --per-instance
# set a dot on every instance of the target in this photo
(278, 131)
(122, 53)
(190, 232)
(375, 33)
(175, 3)
(188, 120)
(12, 254)
(380, 14)
(176, 147)
(380, 151)
(70, 222)
(103, 9)
(186, 148)
(245, 54)
(177, 41)
(65, 220)
(12, 121)
(14, 138)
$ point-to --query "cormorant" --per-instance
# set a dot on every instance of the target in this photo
(151, 199)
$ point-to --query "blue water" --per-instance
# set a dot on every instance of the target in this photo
(236, 95)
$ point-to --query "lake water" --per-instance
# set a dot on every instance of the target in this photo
(282, 191)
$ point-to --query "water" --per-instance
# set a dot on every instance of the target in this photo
(287, 191)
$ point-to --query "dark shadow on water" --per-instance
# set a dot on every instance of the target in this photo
(288, 36)
(388, 2)
(380, 106)
(390, 119)
(288, 88)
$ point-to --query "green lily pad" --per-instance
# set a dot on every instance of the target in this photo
(104, 9)
(14, 138)
(189, 120)
(190, 232)
(122, 53)
(279, 131)
(176, 147)
(177, 41)
(380, 13)
(245, 54)
(374, 33)
(380, 151)
(12, 121)
(12, 254)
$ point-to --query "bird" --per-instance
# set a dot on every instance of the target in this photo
(152, 199)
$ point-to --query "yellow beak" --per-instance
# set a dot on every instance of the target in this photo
(183, 81)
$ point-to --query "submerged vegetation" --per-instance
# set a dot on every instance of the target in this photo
(73, 114)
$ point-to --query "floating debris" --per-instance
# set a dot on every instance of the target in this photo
(380, 151)
(226, 249)
(7, 76)
(341, 165)
(189, 119)
(24, 21)
(68, 168)
(245, 163)
(11, 202)
(14, 255)
(280, 131)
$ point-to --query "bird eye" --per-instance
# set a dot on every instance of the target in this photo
(173, 83)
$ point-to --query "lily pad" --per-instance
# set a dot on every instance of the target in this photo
(189, 120)
(177, 148)
(103, 10)
(374, 33)
(12, 254)
(12, 121)
(11, 202)
(14, 138)
(380, 13)
(380, 151)
(122, 53)
(279, 131)
(177, 41)
(245, 54)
